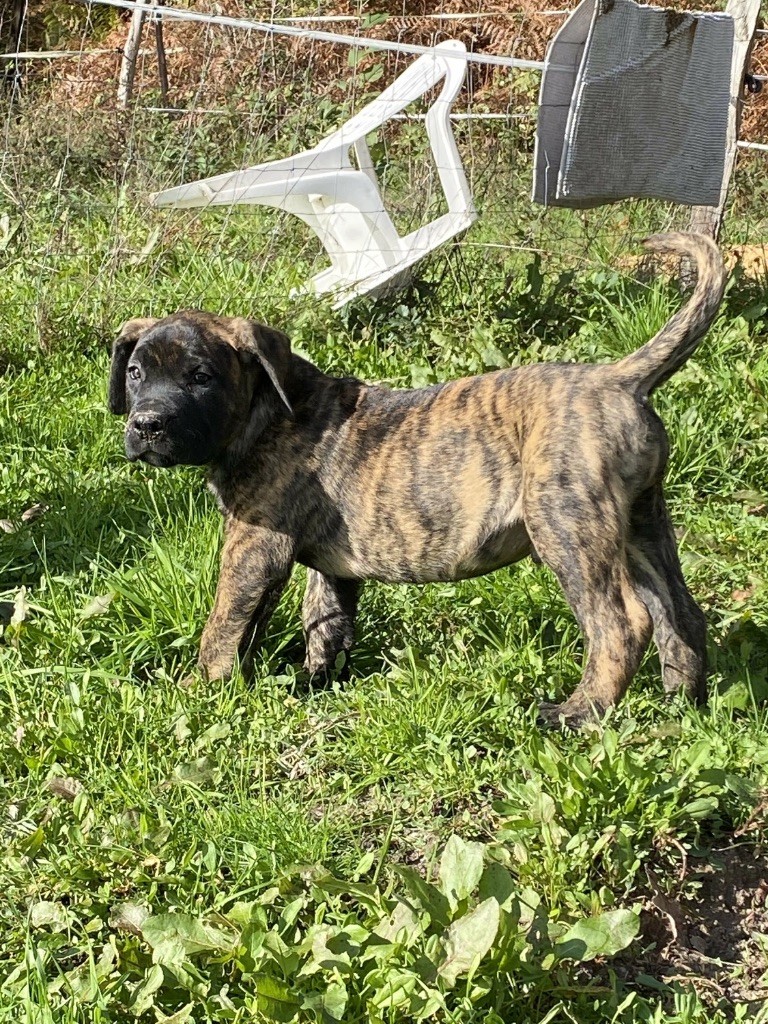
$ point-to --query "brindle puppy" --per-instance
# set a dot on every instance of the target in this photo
(361, 482)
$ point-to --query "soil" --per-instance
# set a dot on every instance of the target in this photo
(716, 940)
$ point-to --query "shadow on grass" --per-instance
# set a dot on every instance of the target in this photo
(84, 524)
(383, 630)
(742, 658)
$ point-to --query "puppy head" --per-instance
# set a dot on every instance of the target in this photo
(192, 381)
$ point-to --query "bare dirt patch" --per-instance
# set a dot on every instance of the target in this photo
(716, 940)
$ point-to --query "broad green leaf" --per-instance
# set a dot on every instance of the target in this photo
(194, 935)
(468, 940)
(169, 952)
(355, 934)
(356, 55)
(292, 911)
(496, 881)
(393, 988)
(364, 865)
(744, 789)
(180, 1017)
(104, 964)
(335, 1000)
(284, 955)
(322, 955)
(274, 998)
(181, 728)
(363, 892)
(371, 20)
(189, 978)
(426, 895)
(83, 983)
(32, 843)
(599, 936)
(542, 808)
(433, 1003)
(698, 754)
(46, 914)
(700, 808)
(460, 868)
(128, 917)
(196, 773)
(270, 895)
(251, 943)
(144, 994)
(216, 732)
(332, 1002)
(402, 925)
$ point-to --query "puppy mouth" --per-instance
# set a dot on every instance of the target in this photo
(164, 449)
(154, 453)
(153, 458)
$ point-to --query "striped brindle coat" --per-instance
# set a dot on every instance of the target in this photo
(360, 482)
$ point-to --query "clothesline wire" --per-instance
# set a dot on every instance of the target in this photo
(479, 116)
(64, 54)
(270, 28)
(304, 19)
(481, 15)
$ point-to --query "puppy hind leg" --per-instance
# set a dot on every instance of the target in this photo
(585, 548)
(679, 626)
(328, 615)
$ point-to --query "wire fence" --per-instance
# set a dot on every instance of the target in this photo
(241, 90)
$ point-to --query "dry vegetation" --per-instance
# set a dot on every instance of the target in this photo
(196, 55)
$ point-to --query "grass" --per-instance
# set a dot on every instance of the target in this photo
(126, 795)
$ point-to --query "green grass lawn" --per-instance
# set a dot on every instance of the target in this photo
(404, 845)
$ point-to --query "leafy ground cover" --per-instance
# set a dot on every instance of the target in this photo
(405, 844)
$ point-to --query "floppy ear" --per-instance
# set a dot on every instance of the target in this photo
(271, 347)
(121, 353)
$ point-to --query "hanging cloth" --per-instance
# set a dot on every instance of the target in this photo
(634, 102)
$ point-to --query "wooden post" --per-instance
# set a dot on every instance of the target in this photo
(12, 72)
(162, 66)
(17, 22)
(707, 219)
(128, 65)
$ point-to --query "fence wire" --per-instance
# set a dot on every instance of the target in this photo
(237, 96)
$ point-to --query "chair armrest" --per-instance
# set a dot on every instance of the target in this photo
(349, 184)
(293, 168)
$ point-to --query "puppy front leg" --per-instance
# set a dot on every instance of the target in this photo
(255, 566)
(328, 613)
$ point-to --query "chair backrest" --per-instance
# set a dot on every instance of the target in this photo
(417, 79)
(448, 61)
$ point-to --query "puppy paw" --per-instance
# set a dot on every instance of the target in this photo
(326, 669)
(561, 716)
(694, 687)
(216, 669)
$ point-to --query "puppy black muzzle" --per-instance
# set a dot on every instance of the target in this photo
(146, 437)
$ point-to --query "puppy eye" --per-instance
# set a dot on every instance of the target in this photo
(134, 372)
(201, 378)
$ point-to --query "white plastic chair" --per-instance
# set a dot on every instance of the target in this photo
(343, 204)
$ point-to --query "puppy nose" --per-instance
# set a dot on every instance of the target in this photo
(149, 423)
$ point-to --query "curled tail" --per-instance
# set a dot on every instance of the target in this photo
(668, 350)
